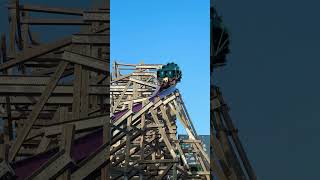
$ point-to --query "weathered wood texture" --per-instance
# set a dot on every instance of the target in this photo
(228, 150)
(71, 119)
(53, 93)
(145, 135)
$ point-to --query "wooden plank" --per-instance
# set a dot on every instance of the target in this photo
(163, 134)
(134, 100)
(120, 98)
(16, 79)
(8, 133)
(37, 108)
(142, 66)
(76, 91)
(26, 100)
(55, 22)
(60, 89)
(143, 128)
(80, 124)
(143, 82)
(46, 9)
(88, 61)
(165, 172)
(68, 135)
(44, 143)
(158, 161)
(123, 117)
(124, 77)
(5, 168)
(35, 52)
(105, 174)
(191, 136)
(4, 165)
(97, 39)
(102, 16)
(84, 96)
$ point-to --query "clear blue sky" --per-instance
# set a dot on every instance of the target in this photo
(164, 31)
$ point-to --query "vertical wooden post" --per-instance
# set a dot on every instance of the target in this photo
(76, 91)
(8, 131)
(142, 140)
(174, 171)
(128, 143)
(66, 144)
(37, 108)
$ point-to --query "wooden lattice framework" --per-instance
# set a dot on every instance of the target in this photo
(144, 131)
(55, 95)
(227, 155)
(231, 160)
(55, 104)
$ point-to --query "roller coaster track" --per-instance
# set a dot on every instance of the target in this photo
(85, 147)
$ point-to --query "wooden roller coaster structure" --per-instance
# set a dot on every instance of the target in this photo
(65, 116)
(144, 128)
(228, 157)
(54, 95)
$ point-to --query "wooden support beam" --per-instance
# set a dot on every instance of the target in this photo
(123, 77)
(8, 131)
(44, 143)
(57, 100)
(34, 114)
(55, 22)
(91, 62)
(163, 134)
(84, 96)
(96, 16)
(35, 52)
(165, 172)
(5, 167)
(94, 39)
(105, 174)
(143, 82)
(46, 9)
(68, 135)
(19, 90)
(120, 98)
(80, 124)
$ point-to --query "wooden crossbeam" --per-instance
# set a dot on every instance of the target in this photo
(163, 135)
(55, 22)
(143, 82)
(120, 98)
(96, 39)
(43, 93)
(26, 100)
(46, 9)
(91, 62)
(80, 124)
(60, 89)
(34, 114)
(96, 16)
(35, 52)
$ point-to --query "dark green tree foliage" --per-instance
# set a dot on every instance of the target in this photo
(219, 39)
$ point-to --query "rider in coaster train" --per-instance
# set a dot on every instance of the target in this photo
(169, 75)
